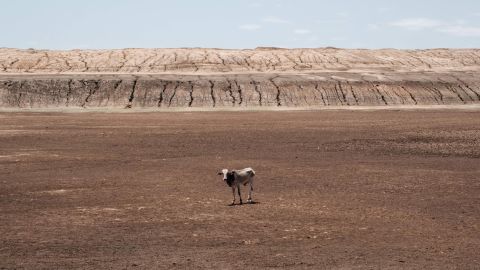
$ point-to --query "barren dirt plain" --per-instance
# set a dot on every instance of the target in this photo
(382, 189)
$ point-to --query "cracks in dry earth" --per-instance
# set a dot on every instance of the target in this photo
(246, 59)
(468, 87)
(175, 57)
(230, 92)
(268, 64)
(10, 65)
(342, 98)
(255, 87)
(300, 57)
(67, 63)
(465, 91)
(116, 85)
(353, 93)
(375, 87)
(439, 93)
(192, 62)
(434, 94)
(39, 59)
(221, 59)
(91, 91)
(82, 59)
(177, 84)
(279, 62)
(422, 61)
(140, 65)
(132, 94)
(190, 84)
(321, 94)
(18, 99)
(124, 62)
(449, 87)
(326, 95)
(399, 96)
(162, 92)
(195, 66)
(302, 61)
(295, 64)
(278, 91)
(205, 56)
(212, 94)
(69, 91)
(410, 94)
(239, 89)
(14, 62)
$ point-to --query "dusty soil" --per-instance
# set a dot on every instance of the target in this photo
(334, 189)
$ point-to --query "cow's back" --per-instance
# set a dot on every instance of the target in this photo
(245, 175)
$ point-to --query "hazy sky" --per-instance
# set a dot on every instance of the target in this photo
(68, 24)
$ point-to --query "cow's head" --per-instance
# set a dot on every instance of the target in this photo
(228, 177)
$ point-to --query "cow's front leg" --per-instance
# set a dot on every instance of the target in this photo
(239, 195)
(233, 191)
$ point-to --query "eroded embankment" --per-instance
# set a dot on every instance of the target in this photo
(199, 60)
(216, 78)
(128, 91)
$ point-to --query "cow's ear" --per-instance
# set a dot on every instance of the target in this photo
(219, 173)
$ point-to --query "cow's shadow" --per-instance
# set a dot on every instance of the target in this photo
(243, 204)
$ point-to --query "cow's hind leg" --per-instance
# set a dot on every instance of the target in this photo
(239, 195)
(249, 200)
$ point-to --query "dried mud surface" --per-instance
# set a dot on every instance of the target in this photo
(335, 189)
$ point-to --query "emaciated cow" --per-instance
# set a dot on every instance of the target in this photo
(235, 178)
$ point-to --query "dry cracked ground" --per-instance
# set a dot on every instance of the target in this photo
(334, 190)
(216, 78)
